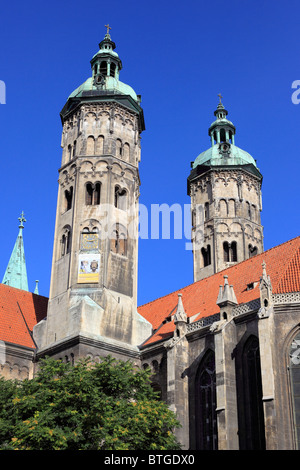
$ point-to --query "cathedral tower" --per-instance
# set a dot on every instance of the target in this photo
(93, 290)
(225, 190)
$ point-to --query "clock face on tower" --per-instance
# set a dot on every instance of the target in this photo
(89, 242)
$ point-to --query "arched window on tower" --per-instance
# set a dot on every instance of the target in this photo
(120, 198)
(68, 199)
(206, 256)
(248, 207)
(233, 252)
(252, 251)
(254, 213)
(74, 149)
(226, 251)
(126, 152)
(231, 208)
(90, 145)
(230, 252)
(205, 409)
(69, 152)
(92, 194)
(118, 148)
(112, 69)
(206, 211)
(118, 242)
(103, 68)
(65, 241)
(223, 208)
(100, 145)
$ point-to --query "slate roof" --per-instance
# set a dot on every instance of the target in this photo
(13, 327)
(199, 299)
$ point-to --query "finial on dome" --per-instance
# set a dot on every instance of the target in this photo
(107, 29)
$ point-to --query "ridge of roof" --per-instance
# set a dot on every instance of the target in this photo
(200, 298)
(225, 269)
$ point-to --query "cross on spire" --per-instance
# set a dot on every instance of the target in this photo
(22, 219)
(107, 28)
(220, 96)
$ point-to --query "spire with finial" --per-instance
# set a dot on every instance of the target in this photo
(106, 63)
(16, 273)
(226, 293)
(221, 130)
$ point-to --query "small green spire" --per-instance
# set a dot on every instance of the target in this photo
(16, 273)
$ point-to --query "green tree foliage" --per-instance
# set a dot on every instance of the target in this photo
(105, 406)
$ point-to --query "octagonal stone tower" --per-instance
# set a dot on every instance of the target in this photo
(225, 190)
(93, 290)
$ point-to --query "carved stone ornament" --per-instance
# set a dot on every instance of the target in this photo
(99, 81)
(224, 149)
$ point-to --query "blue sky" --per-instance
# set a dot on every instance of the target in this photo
(178, 56)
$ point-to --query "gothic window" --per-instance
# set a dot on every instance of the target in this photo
(74, 148)
(118, 148)
(294, 354)
(118, 242)
(100, 145)
(66, 241)
(68, 198)
(223, 208)
(69, 152)
(230, 252)
(126, 151)
(254, 213)
(90, 145)
(252, 251)
(112, 69)
(251, 432)
(205, 394)
(233, 251)
(226, 251)
(103, 68)
(206, 210)
(206, 256)
(92, 194)
(120, 198)
(248, 206)
(89, 194)
(231, 208)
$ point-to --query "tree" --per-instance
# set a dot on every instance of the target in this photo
(89, 406)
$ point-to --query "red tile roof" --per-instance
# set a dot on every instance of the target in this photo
(13, 328)
(199, 299)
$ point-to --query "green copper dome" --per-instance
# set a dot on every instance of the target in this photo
(106, 66)
(223, 151)
(224, 154)
(104, 84)
(110, 84)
